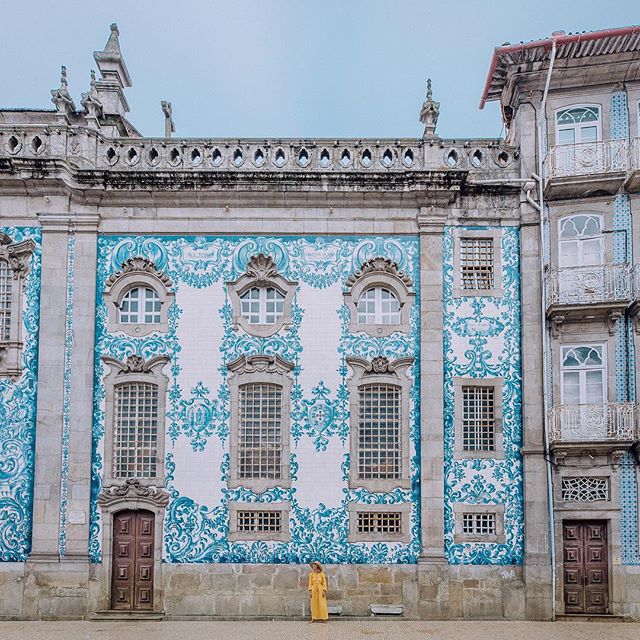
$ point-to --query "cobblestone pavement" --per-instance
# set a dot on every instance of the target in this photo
(339, 630)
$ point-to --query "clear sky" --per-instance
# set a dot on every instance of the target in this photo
(286, 68)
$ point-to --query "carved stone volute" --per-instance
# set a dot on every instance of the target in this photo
(383, 266)
(260, 363)
(139, 265)
(262, 268)
(134, 493)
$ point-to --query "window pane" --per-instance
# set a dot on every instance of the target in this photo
(263, 305)
(594, 387)
(259, 521)
(571, 387)
(135, 433)
(379, 522)
(260, 431)
(588, 134)
(6, 277)
(478, 419)
(379, 436)
(476, 263)
(479, 524)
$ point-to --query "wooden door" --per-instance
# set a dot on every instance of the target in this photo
(586, 575)
(132, 572)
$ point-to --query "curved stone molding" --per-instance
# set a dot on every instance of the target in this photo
(137, 272)
(17, 256)
(380, 272)
(262, 273)
(381, 370)
(132, 494)
(260, 363)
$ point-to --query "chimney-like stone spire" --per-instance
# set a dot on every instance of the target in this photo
(169, 126)
(91, 103)
(61, 97)
(429, 113)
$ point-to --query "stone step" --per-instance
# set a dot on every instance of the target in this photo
(588, 617)
(111, 614)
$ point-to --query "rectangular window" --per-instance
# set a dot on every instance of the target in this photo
(136, 430)
(479, 524)
(389, 522)
(478, 418)
(476, 263)
(6, 276)
(259, 521)
(260, 431)
(379, 434)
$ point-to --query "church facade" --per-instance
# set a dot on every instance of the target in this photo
(411, 360)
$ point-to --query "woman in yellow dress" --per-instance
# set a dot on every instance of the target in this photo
(318, 593)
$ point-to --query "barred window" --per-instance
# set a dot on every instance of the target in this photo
(135, 433)
(389, 522)
(262, 305)
(252, 521)
(479, 524)
(6, 276)
(140, 305)
(478, 418)
(260, 431)
(476, 263)
(379, 433)
(378, 305)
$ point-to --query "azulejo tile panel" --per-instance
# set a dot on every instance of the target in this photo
(202, 340)
(18, 419)
(481, 337)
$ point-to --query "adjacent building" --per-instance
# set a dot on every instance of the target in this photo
(412, 360)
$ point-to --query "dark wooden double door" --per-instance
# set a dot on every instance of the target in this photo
(132, 572)
(585, 560)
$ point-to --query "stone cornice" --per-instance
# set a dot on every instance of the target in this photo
(53, 221)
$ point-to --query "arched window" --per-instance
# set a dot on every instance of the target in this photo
(580, 240)
(135, 430)
(378, 305)
(140, 305)
(264, 305)
(6, 276)
(584, 375)
(575, 125)
(138, 298)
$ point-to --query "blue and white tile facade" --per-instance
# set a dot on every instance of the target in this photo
(201, 341)
(18, 419)
(481, 337)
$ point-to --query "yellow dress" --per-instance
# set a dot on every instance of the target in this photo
(318, 589)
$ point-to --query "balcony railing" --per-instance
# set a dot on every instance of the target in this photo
(634, 155)
(590, 285)
(613, 421)
(587, 158)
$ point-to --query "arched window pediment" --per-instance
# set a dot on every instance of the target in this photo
(138, 298)
(261, 298)
(379, 297)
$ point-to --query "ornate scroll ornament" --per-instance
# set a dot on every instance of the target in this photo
(260, 364)
(380, 266)
(429, 113)
(380, 366)
(133, 491)
(138, 265)
(16, 254)
(262, 268)
(136, 364)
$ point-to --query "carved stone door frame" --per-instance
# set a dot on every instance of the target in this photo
(131, 496)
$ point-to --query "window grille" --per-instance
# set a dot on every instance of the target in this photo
(478, 418)
(479, 524)
(140, 305)
(585, 489)
(379, 435)
(260, 431)
(262, 305)
(378, 305)
(259, 521)
(135, 433)
(389, 522)
(476, 263)
(6, 276)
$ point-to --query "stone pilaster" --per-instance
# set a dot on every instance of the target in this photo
(432, 566)
(78, 480)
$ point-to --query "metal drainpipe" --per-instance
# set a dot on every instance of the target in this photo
(543, 322)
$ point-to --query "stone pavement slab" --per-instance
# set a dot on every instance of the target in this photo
(335, 630)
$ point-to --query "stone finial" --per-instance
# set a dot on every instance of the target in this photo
(169, 126)
(61, 97)
(429, 113)
(91, 102)
(110, 61)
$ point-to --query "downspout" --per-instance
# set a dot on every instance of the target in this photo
(543, 322)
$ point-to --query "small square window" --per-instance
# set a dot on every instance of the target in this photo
(259, 521)
(262, 521)
(478, 523)
(380, 522)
